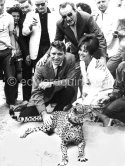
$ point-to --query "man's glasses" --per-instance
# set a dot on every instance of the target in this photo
(40, 4)
(68, 15)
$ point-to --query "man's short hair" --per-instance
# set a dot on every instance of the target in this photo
(23, 1)
(58, 45)
(63, 5)
(85, 7)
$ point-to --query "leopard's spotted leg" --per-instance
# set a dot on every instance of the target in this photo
(27, 132)
(64, 155)
(81, 156)
(43, 128)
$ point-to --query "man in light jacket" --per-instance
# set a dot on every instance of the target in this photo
(38, 24)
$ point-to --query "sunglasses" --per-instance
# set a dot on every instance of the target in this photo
(40, 4)
(68, 15)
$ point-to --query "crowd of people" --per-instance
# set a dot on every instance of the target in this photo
(52, 57)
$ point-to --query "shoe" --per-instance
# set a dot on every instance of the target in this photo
(11, 111)
(107, 122)
(117, 123)
(67, 107)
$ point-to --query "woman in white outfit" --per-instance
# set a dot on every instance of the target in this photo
(97, 80)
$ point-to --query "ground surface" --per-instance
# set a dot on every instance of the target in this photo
(104, 146)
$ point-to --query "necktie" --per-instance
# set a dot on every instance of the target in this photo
(57, 72)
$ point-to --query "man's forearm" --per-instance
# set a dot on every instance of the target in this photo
(12, 40)
(41, 109)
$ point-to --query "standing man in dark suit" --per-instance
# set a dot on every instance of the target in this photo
(24, 46)
(53, 82)
(75, 25)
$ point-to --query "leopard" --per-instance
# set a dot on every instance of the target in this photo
(68, 125)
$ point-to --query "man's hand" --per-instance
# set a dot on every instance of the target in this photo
(68, 45)
(13, 57)
(104, 100)
(47, 119)
(44, 85)
(13, 52)
(101, 63)
(33, 23)
(43, 60)
(28, 60)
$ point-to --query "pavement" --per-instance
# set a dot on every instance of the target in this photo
(105, 146)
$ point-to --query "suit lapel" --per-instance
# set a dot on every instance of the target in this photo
(70, 33)
(49, 70)
(79, 26)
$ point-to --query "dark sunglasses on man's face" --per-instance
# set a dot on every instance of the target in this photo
(42, 4)
(68, 15)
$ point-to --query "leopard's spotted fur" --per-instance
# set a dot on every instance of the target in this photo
(68, 125)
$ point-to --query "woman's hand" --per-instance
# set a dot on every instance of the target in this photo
(101, 63)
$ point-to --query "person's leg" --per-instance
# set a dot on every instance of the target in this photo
(122, 49)
(63, 98)
(113, 63)
(116, 110)
(27, 82)
(29, 111)
(10, 79)
(25, 114)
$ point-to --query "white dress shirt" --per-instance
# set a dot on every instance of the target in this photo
(107, 22)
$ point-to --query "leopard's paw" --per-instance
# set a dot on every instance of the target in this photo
(27, 132)
(82, 158)
(63, 163)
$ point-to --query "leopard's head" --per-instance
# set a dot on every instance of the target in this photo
(77, 114)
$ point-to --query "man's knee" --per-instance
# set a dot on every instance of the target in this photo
(115, 107)
(121, 67)
(69, 93)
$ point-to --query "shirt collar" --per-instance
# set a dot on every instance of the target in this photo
(54, 66)
(3, 14)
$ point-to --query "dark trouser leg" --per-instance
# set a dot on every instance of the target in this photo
(27, 114)
(63, 97)
(116, 109)
(10, 80)
(29, 111)
(113, 63)
(27, 81)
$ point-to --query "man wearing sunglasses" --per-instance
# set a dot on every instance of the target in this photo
(39, 25)
(75, 25)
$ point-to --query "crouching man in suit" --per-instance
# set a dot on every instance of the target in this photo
(53, 82)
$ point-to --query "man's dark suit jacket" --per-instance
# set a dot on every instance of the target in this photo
(46, 73)
(85, 24)
(23, 40)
